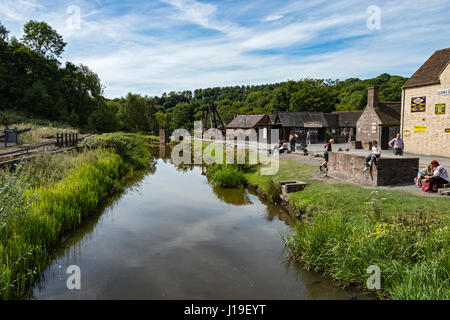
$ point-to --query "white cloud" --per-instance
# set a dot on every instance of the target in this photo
(273, 18)
(151, 50)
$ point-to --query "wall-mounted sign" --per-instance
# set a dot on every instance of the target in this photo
(418, 104)
(312, 124)
(374, 127)
(440, 108)
(406, 133)
(420, 129)
(447, 130)
(443, 92)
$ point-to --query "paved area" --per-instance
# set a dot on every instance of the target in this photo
(316, 158)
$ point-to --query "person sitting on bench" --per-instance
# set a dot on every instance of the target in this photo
(371, 158)
(440, 175)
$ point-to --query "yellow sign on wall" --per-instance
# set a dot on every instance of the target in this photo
(420, 129)
(406, 133)
(440, 108)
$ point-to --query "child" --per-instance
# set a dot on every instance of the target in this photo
(427, 171)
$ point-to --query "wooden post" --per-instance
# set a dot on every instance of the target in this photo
(65, 139)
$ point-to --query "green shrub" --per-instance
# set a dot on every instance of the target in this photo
(226, 176)
(131, 147)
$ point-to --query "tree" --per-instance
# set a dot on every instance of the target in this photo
(43, 39)
(4, 33)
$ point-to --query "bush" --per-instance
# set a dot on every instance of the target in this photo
(131, 147)
(226, 176)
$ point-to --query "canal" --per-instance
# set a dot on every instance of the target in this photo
(174, 236)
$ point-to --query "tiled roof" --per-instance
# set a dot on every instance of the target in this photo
(429, 72)
(248, 121)
(300, 119)
(348, 118)
(389, 113)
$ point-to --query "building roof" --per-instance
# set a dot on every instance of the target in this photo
(332, 120)
(429, 72)
(249, 121)
(389, 113)
(302, 119)
(348, 118)
(273, 118)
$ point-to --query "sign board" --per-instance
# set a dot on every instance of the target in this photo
(374, 127)
(447, 130)
(312, 124)
(418, 104)
(440, 109)
(420, 129)
(406, 133)
(443, 92)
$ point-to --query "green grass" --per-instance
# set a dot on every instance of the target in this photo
(346, 228)
(226, 176)
(49, 197)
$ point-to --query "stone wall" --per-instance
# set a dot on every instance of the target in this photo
(386, 172)
(432, 140)
(367, 125)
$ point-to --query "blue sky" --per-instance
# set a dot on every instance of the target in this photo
(157, 46)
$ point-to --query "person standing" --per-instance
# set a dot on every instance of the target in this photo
(347, 136)
(397, 144)
(308, 138)
(292, 138)
(440, 175)
(371, 158)
(328, 148)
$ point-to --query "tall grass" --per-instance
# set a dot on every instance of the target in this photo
(226, 176)
(42, 202)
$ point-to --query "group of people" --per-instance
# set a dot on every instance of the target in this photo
(283, 146)
(435, 174)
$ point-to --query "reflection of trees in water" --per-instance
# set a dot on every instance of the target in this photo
(71, 246)
(237, 197)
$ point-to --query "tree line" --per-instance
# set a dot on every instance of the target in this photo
(35, 83)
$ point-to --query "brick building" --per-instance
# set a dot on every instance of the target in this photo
(253, 121)
(425, 101)
(379, 121)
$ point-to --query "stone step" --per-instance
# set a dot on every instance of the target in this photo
(444, 192)
(292, 186)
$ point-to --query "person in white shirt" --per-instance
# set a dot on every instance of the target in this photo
(440, 175)
(376, 153)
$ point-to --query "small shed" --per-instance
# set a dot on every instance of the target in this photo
(301, 123)
(379, 121)
(252, 121)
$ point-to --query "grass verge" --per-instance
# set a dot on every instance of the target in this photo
(347, 228)
(47, 198)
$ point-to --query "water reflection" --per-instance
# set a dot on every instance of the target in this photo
(235, 197)
(173, 236)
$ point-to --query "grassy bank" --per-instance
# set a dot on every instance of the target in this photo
(347, 228)
(47, 198)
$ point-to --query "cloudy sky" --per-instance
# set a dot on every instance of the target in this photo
(156, 46)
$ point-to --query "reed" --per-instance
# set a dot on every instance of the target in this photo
(47, 198)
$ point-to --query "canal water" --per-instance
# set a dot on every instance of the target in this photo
(174, 236)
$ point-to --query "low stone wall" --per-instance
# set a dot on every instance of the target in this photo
(387, 171)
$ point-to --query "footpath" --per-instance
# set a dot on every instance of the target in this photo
(315, 158)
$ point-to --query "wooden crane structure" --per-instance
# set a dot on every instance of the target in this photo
(211, 118)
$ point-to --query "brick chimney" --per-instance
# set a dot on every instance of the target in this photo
(372, 97)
